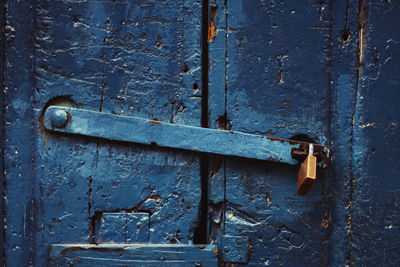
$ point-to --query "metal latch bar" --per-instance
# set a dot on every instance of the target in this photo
(138, 130)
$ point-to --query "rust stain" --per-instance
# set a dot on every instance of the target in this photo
(281, 76)
(155, 122)
(108, 24)
(212, 32)
(57, 101)
(213, 12)
(279, 139)
(218, 164)
(325, 222)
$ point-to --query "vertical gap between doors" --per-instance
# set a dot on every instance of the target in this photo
(200, 235)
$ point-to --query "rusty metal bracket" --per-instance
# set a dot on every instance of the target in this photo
(137, 130)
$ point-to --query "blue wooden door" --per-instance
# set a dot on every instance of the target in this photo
(319, 71)
(140, 58)
(273, 80)
(316, 71)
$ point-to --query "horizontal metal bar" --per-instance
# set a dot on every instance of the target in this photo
(137, 130)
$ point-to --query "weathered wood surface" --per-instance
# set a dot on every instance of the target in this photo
(124, 57)
(133, 255)
(289, 68)
(17, 128)
(322, 69)
(276, 82)
(374, 213)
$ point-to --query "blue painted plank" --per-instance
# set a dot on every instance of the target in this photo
(18, 125)
(2, 123)
(133, 255)
(63, 171)
(344, 51)
(217, 112)
(217, 63)
(121, 57)
(277, 84)
(375, 184)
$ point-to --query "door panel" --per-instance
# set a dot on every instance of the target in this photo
(275, 82)
(375, 214)
(137, 58)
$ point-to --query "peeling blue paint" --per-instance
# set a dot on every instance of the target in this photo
(316, 71)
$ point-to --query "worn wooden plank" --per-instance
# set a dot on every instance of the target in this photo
(133, 255)
(138, 58)
(113, 55)
(375, 184)
(217, 37)
(343, 67)
(277, 83)
(17, 172)
(2, 123)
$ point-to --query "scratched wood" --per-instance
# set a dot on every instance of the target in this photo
(322, 69)
(272, 79)
(374, 214)
(18, 121)
(2, 117)
(137, 58)
(325, 69)
(343, 81)
(133, 255)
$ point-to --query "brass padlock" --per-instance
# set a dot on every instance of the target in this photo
(307, 173)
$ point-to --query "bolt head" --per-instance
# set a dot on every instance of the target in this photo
(59, 118)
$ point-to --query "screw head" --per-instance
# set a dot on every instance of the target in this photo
(59, 118)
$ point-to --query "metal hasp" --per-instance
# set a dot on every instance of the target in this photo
(151, 132)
